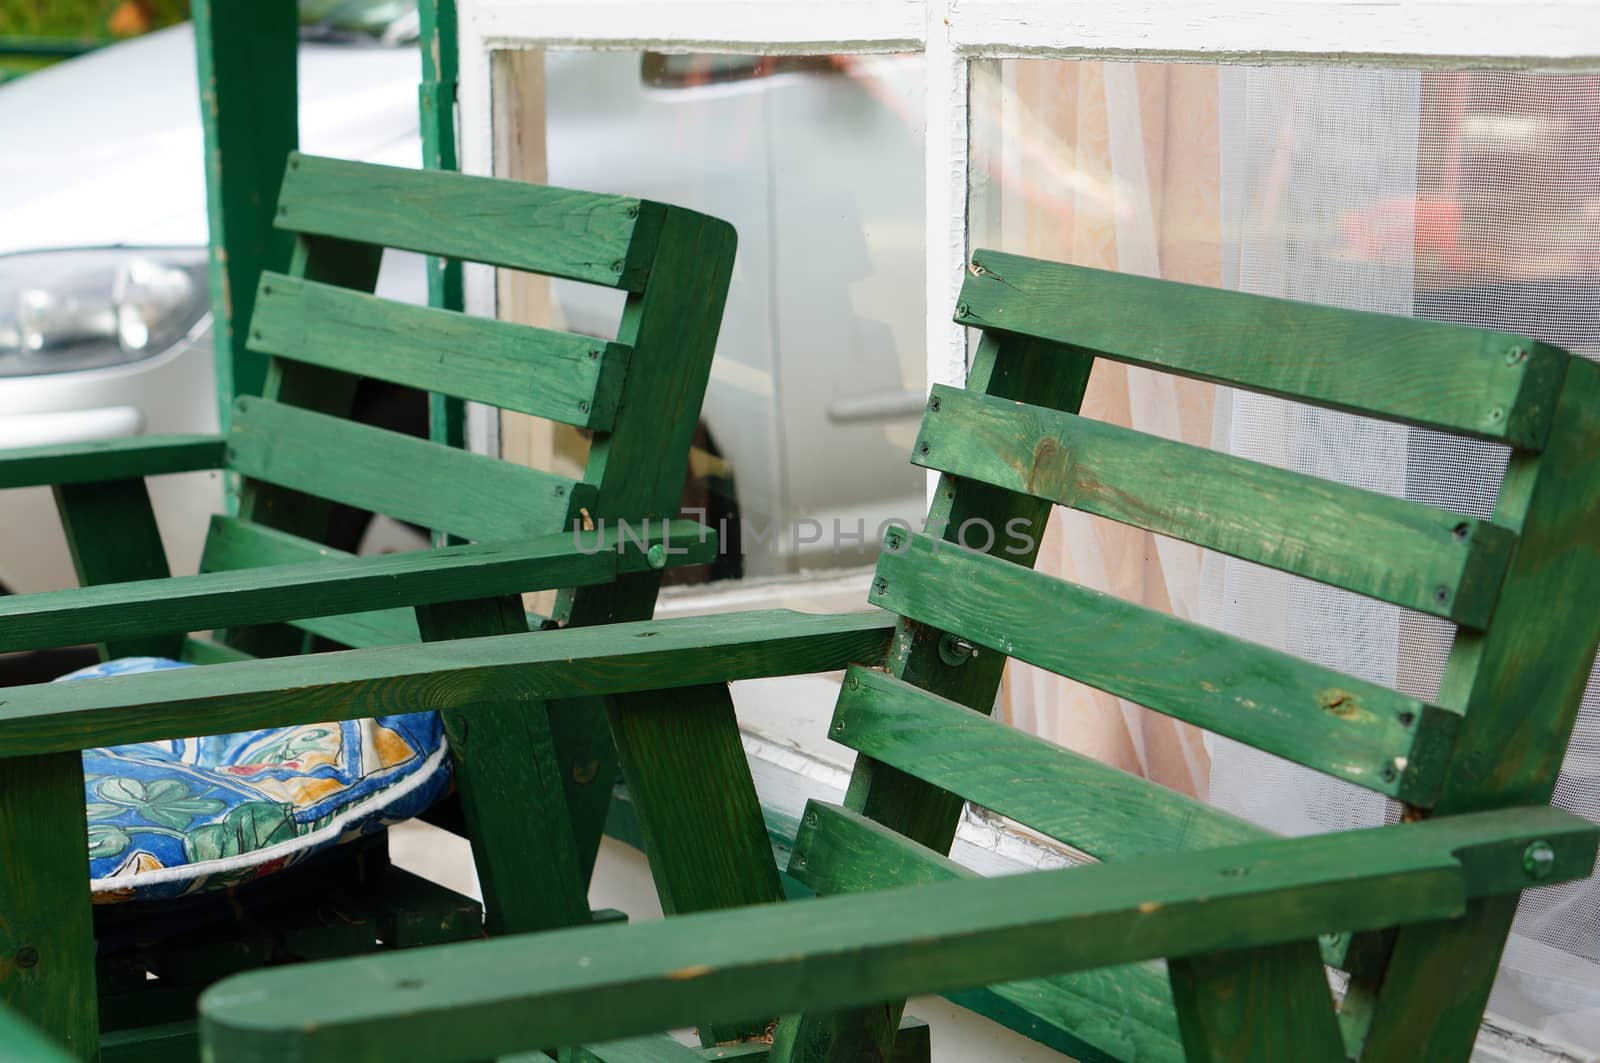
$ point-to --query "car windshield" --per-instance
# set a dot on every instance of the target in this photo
(387, 22)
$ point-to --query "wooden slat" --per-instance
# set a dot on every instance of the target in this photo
(114, 459)
(560, 375)
(1097, 809)
(1122, 1012)
(409, 479)
(121, 611)
(582, 236)
(1256, 1006)
(488, 998)
(1486, 384)
(575, 662)
(1338, 724)
(1388, 548)
(46, 925)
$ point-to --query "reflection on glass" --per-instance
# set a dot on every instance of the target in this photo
(820, 370)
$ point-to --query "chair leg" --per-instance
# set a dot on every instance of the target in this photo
(1258, 1004)
(512, 796)
(46, 924)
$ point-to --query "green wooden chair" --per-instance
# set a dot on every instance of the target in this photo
(1416, 912)
(532, 785)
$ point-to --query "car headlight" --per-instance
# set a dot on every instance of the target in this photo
(62, 311)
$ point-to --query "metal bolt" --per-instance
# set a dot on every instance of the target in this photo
(616, 267)
(799, 862)
(811, 819)
(1515, 355)
(933, 404)
(583, 406)
(1539, 861)
(923, 448)
(852, 682)
(838, 727)
(1441, 594)
(963, 310)
(27, 956)
(956, 651)
(594, 352)
(1496, 414)
(657, 556)
(633, 212)
(880, 586)
(1389, 774)
(1407, 719)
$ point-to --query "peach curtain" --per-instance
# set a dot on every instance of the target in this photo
(1113, 165)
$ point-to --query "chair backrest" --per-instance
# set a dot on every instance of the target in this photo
(639, 395)
(1010, 446)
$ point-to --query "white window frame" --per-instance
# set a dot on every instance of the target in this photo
(1505, 34)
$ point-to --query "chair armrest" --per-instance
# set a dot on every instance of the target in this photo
(459, 674)
(337, 586)
(116, 459)
(487, 999)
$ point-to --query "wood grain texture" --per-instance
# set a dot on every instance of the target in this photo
(121, 613)
(46, 928)
(1117, 1013)
(115, 543)
(1487, 384)
(1008, 367)
(508, 779)
(1096, 809)
(1403, 552)
(581, 236)
(1354, 730)
(474, 496)
(559, 375)
(1257, 1006)
(575, 663)
(639, 467)
(112, 459)
(1522, 683)
(833, 952)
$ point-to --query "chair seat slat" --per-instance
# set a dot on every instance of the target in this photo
(466, 494)
(1338, 724)
(1388, 548)
(1479, 383)
(559, 375)
(1093, 807)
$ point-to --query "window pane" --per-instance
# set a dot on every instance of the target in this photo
(1469, 196)
(820, 371)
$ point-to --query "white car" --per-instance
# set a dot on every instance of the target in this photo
(104, 317)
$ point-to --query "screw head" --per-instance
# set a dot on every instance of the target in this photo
(1539, 861)
(27, 956)
(657, 556)
(1515, 355)
(963, 310)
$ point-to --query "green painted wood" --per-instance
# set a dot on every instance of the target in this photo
(487, 998)
(113, 459)
(1007, 367)
(508, 779)
(412, 911)
(46, 928)
(25, 1044)
(246, 60)
(581, 236)
(1110, 1013)
(1256, 1006)
(122, 613)
(115, 543)
(1487, 384)
(570, 663)
(471, 495)
(699, 816)
(1403, 552)
(160, 1043)
(210, 651)
(1096, 809)
(436, 100)
(659, 1049)
(912, 1044)
(233, 544)
(1521, 682)
(639, 467)
(1337, 724)
(559, 375)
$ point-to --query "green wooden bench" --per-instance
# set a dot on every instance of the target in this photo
(535, 783)
(1416, 912)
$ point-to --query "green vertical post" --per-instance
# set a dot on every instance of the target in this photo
(247, 62)
(436, 99)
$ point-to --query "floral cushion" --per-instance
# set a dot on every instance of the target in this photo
(173, 818)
